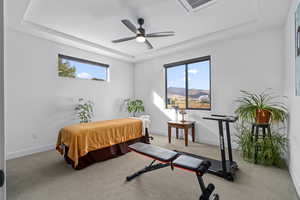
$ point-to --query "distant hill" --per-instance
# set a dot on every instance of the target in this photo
(194, 93)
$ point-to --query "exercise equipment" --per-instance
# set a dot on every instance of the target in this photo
(223, 168)
(173, 159)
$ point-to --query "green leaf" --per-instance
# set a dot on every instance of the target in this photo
(134, 106)
(249, 103)
(84, 110)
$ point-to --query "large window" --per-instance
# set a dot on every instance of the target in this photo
(82, 69)
(188, 84)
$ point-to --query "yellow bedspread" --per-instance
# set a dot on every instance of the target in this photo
(86, 137)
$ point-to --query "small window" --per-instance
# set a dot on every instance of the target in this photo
(82, 69)
(188, 84)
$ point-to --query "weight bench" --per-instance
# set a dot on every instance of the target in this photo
(166, 158)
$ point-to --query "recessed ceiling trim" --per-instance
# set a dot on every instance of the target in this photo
(104, 50)
(57, 36)
(39, 30)
(202, 40)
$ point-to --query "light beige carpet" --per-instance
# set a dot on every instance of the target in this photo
(46, 176)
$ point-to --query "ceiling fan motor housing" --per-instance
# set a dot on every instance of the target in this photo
(141, 31)
(141, 21)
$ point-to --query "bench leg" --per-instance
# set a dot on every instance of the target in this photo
(206, 191)
(148, 168)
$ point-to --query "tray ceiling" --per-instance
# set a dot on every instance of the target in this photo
(94, 24)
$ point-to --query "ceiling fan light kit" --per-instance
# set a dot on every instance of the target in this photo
(140, 32)
(140, 38)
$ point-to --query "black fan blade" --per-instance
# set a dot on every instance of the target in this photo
(129, 25)
(149, 45)
(161, 34)
(123, 39)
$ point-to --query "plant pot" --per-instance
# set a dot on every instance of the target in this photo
(262, 116)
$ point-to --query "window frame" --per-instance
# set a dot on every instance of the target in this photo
(186, 63)
(96, 64)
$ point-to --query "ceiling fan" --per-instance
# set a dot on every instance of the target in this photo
(140, 32)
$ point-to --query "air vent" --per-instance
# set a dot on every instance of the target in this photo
(194, 5)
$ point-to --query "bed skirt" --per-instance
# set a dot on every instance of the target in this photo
(103, 154)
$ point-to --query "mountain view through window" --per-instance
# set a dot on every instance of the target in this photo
(188, 84)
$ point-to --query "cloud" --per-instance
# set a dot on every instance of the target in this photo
(84, 75)
(193, 71)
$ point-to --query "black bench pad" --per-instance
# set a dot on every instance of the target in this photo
(187, 162)
(154, 152)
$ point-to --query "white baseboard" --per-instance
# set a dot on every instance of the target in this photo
(161, 133)
(210, 142)
(295, 181)
(29, 151)
(198, 140)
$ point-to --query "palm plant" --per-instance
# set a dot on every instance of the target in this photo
(252, 107)
(134, 106)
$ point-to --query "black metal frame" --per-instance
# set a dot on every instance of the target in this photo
(61, 56)
(2, 178)
(206, 191)
(148, 168)
(224, 168)
(82, 60)
(225, 173)
(186, 63)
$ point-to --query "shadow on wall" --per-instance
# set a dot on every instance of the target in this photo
(65, 108)
(120, 105)
(64, 113)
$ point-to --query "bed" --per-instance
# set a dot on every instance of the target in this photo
(86, 143)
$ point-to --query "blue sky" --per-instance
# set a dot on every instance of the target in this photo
(88, 71)
(198, 76)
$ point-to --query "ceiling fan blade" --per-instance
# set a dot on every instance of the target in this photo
(149, 45)
(161, 34)
(129, 25)
(123, 39)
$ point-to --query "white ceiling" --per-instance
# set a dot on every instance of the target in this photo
(92, 24)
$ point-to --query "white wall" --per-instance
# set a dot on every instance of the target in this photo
(249, 62)
(39, 102)
(294, 101)
(2, 128)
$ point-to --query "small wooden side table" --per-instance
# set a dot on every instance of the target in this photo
(182, 125)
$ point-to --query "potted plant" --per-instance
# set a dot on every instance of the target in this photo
(272, 148)
(134, 106)
(84, 110)
(260, 108)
